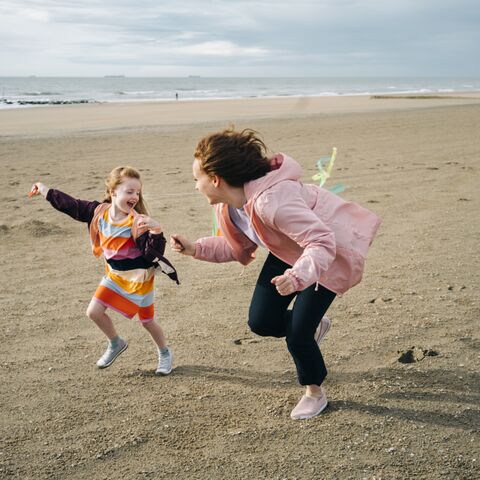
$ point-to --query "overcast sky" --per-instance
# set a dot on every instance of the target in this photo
(240, 38)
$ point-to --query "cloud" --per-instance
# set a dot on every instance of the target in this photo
(230, 37)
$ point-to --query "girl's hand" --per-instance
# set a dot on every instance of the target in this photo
(150, 224)
(37, 189)
(180, 244)
(284, 285)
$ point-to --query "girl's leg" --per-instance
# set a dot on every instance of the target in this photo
(156, 332)
(96, 312)
(165, 355)
(116, 345)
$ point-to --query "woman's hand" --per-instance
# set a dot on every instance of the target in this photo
(149, 223)
(284, 284)
(180, 244)
(38, 189)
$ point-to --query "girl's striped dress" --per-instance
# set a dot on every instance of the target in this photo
(127, 286)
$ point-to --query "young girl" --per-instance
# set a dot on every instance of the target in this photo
(133, 245)
(317, 245)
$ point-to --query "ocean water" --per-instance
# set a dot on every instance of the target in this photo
(20, 92)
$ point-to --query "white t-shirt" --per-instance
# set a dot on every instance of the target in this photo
(241, 220)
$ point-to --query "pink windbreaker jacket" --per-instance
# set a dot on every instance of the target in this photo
(323, 237)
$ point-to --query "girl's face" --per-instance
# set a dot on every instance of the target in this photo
(206, 184)
(126, 195)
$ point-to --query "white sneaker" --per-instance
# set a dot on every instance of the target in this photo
(322, 329)
(165, 363)
(111, 354)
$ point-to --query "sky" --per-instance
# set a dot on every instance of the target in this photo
(230, 38)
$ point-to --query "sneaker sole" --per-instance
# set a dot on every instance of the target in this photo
(114, 358)
(311, 416)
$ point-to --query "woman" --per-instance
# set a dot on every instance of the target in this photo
(317, 245)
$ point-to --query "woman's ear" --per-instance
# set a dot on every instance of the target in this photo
(216, 181)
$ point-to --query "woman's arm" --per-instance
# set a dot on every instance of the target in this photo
(292, 216)
(209, 249)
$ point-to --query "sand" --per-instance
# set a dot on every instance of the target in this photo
(224, 411)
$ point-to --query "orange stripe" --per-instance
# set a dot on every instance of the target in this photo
(116, 301)
(139, 288)
(146, 312)
(116, 243)
(127, 222)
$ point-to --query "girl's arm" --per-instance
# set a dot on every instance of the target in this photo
(152, 244)
(150, 240)
(81, 210)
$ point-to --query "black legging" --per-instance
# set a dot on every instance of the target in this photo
(268, 316)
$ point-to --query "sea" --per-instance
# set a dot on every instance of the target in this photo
(25, 92)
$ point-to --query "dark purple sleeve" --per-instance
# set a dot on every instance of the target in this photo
(151, 245)
(81, 210)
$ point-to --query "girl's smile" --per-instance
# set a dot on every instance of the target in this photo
(126, 195)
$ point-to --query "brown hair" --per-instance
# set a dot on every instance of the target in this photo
(237, 157)
(116, 177)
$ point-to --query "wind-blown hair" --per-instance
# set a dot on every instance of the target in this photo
(237, 157)
(116, 177)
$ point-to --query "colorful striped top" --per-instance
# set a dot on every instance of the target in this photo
(132, 275)
(150, 245)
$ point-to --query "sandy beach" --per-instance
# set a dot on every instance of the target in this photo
(224, 411)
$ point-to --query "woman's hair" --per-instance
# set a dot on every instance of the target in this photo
(116, 177)
(237, 157)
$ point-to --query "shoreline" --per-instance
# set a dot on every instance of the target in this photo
(95, 117)
(14, 104)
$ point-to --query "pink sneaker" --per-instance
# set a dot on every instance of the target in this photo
(322, 329)
(309, 407)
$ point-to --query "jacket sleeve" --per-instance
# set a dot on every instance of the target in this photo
(152, 245)
(81, 210)
(295, 219)
(213, 249)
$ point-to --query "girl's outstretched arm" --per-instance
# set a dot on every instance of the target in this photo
(81, 210)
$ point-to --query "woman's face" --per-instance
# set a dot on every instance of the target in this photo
(205, 184)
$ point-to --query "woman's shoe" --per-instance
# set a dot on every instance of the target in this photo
(309, 407)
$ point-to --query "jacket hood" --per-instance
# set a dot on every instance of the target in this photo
(283, 168)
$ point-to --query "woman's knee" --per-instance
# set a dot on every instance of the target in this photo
(258, 325)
